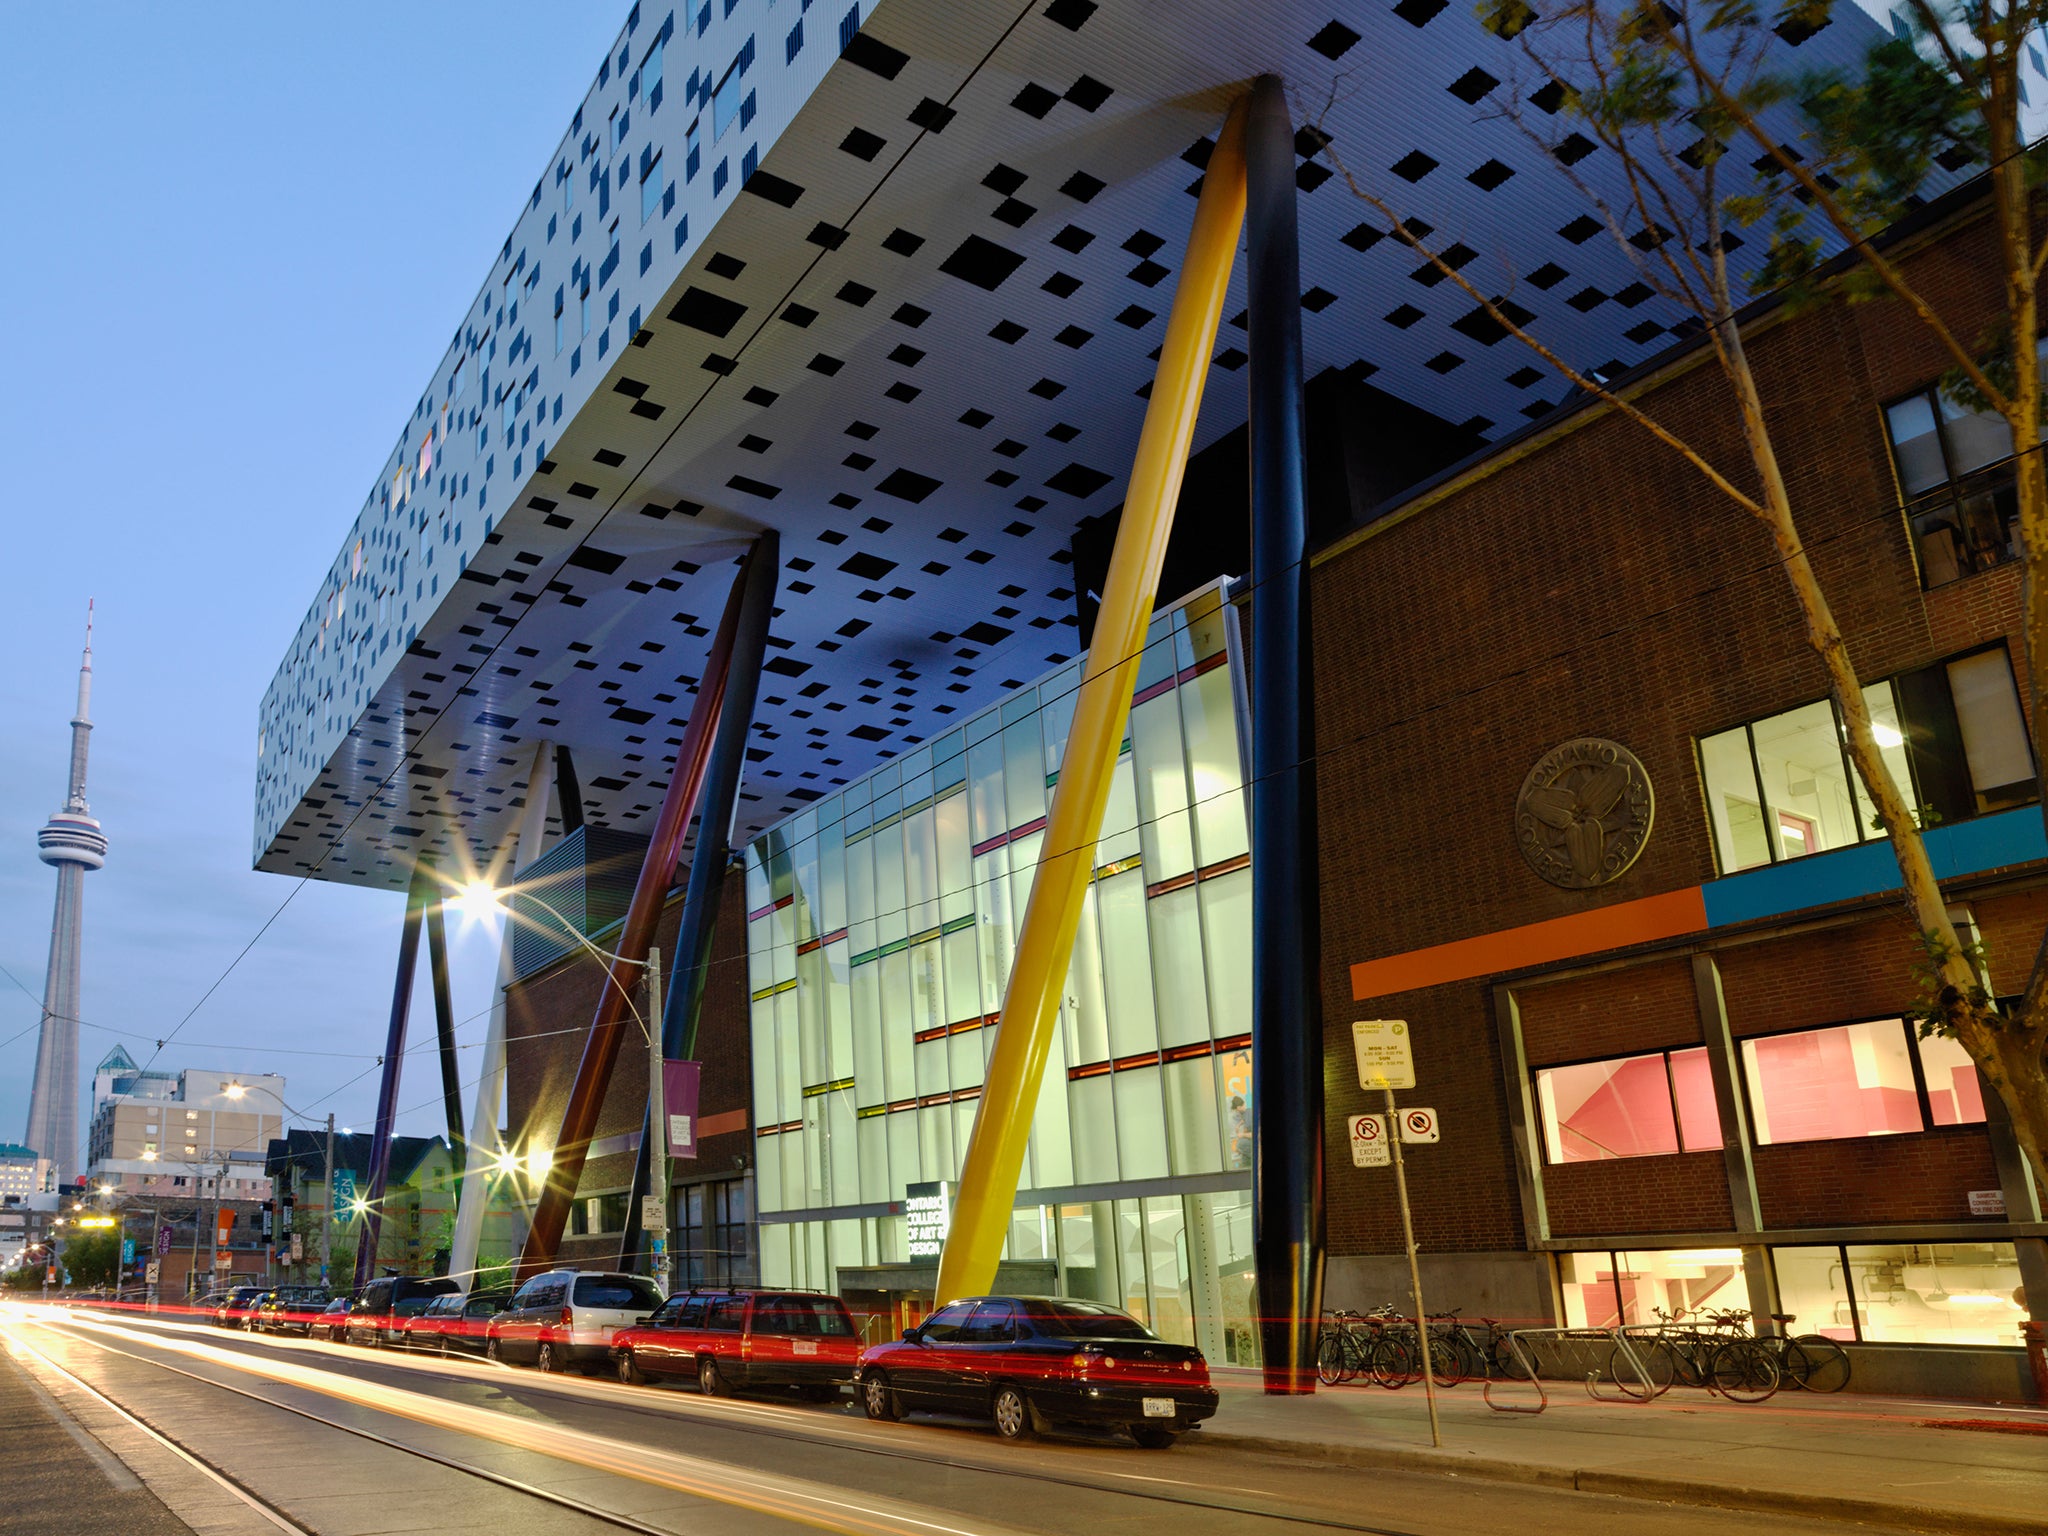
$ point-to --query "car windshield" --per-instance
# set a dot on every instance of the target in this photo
(1065, 1321)
(622, 1291)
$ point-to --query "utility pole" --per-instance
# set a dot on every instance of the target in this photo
(657, 1128)
(327, 1209)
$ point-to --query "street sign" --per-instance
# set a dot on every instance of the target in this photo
(652, 1217)
(1384, 1059)
(344, 1193)
(1369, 1142)
(163, 1241)
(298, 1249)
(152, 1272)
(1418, 1125)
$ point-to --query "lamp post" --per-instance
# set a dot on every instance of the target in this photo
(479, 900)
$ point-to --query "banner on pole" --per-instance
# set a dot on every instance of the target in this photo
(680, 1081)
(344, 1193)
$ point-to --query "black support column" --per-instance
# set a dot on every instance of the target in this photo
(417, 899)
(683, 999)
(1287, 1015)
(444, 1034)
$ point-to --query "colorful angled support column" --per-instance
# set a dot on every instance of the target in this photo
(609, 1027)
(1287, 1013)
(692, 958)
(1002, 1122)
(423, 891)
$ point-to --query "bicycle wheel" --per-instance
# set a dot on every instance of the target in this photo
(1743, 1371)
(1356, 1351)
(1471, 1359)
(1689, 1357)
(1443, 1361)
(1817, 1363)
(1330, 1358)
(1393, 1361)
(1658, 1368)
(1505, 1360)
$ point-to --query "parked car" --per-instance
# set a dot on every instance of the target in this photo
(380, 1312)
(291, 1309)
(564, 1319)
(728, 1340)
(455, 1325)
(1028, 1361)
(203, 1307)
(331, 1323)
(236, 1305)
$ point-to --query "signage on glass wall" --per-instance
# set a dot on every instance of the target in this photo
(927, 1215)
(1384, 1057)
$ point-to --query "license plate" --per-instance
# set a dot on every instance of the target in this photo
(1158, 1407)
(805, 1347)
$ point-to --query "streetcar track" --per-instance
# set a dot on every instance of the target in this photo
(1173, 1495)
(275, 1512)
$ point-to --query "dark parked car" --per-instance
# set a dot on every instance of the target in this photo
(331, 1323)
(236, 1306)
(1027, 1361)
(727, 1340)
(290, 1309)
(379, 1313)
(455, 1325)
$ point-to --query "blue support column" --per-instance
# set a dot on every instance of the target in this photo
(417, 898)
(444, 1035)
(1287, 1015)
(684, 999)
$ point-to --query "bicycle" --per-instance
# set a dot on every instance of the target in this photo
(1812, 1362)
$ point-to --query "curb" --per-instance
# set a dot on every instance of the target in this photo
(1674, 1490)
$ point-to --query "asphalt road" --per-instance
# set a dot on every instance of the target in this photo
(352, 1459)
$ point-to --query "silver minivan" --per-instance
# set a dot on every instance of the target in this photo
(564, 1319)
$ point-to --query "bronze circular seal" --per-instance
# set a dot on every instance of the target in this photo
(1584, 813)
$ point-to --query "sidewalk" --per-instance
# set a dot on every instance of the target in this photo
(1944, 1466)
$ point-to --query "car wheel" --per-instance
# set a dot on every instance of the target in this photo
(876, 1397)
(544, 1358)
(629, 1373)
(491, 1350)
(710, 1379)
(1012, 1414)
(1152, 1438)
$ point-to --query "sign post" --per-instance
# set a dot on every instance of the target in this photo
(1386, 1061)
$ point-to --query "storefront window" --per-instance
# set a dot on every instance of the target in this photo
(1632, 1106)
(1829, 1084)
(1813, 1286)
(1678, 1280)
(1937, 1293)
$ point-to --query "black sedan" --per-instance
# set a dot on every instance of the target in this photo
(1030, 1361)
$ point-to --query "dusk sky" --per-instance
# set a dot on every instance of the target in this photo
(242, 235)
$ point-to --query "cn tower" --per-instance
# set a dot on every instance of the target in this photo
(72, 841)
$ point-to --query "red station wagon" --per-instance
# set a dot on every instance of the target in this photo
(728, 1340)
(1025, 1361)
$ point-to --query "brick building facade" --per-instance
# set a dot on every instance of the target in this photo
(548, 1011)
(1583, 582)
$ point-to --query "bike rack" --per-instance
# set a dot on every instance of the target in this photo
(1617, 1341)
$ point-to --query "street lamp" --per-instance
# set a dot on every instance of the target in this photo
(479, 899)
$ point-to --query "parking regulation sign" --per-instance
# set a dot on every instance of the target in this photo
(1369, 1142)
(1384, 1057)
(1418, 1125)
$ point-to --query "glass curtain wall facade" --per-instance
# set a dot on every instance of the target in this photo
(881, 926)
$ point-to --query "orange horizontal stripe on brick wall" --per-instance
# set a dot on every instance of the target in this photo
(718, 1125)
(1512, 949)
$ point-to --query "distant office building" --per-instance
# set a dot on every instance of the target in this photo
(17, 1171)
(207, 1135)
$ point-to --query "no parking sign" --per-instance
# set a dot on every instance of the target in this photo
(1418, 1125)
(1369, 1142)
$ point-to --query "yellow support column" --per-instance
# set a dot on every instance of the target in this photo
(1045, 948)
